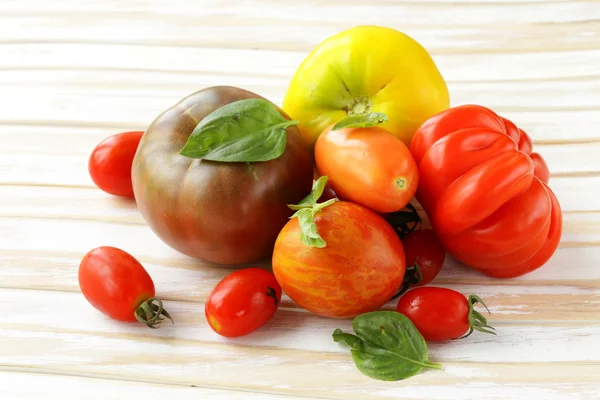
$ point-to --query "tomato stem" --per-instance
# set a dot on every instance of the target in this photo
(151, 312)
(476, 320)
(359, 106)
(412, 276)
(405, 221)
(272, 293)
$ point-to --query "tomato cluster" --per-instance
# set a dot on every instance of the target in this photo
(225, 176)
(367, 256)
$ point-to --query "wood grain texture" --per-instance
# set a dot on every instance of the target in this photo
(75, 72)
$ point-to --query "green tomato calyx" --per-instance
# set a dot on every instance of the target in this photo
(360, 106)
(476, 320)
(151, 313)
(306, 211)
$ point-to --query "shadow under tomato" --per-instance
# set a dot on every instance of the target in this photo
(123, 202)
(295, 328)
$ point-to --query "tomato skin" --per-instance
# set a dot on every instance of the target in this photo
(438, 313)
(227, 213)
(110, 163)
(485, 192)
(114, 282)
(368, 166)
(423, 247)
(242, 302)
(366, 68)
(358, 271)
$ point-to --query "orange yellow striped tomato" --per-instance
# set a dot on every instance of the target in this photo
(359, 269)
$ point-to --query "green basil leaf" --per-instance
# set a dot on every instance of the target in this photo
(361, 121)
(387, 346)
(310, 235)
(353, 341)
(313, 196)
(248, 130)
(306, 210)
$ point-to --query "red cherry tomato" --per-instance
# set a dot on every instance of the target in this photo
(116, 284)
(424, 250)
(110, 163)
(242, 302)
(442, 314)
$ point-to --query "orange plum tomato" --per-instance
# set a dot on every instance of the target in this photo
(368, 166)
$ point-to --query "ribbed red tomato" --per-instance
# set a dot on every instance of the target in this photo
(485, 192)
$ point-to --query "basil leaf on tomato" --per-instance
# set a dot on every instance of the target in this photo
(310, 235)
(249, 130)
(307, 208)
(313, 196)
(361, 121)
(387, 346)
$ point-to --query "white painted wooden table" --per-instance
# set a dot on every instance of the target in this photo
(73, 72)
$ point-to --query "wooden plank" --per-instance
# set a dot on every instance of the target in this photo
(265, 25)
(29, 234)
(543, 296)
(471, 12)
(49, 140)
(26, 386)
(573, 192)
(59, 202)
(142, 87)
(91, 95)
(65, 5)
(287, 331)
(574, 382)
(112, 60)
(37, 155)
(84, 341)
(32, 256)
(90, 203)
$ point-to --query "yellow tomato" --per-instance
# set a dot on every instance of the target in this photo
(366, 69)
